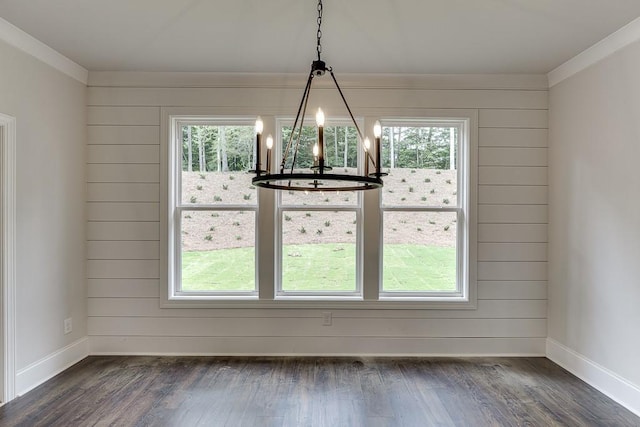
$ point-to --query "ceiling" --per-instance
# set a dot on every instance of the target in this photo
(360, 36)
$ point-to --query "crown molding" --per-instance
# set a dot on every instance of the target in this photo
(626, 35)
(17, 38)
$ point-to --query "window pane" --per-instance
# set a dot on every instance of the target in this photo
(215, 161)
(341, 153)
(318, 251)
(218, 252)
(422, 166)
(419, 251)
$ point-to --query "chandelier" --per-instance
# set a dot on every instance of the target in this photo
(319, 177)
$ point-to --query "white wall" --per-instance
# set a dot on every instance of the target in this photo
(594, 209)
(50, 109)
(123, 229)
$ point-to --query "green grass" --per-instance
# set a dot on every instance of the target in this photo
(410, 268)
(321, 267)
(221, 270)
(326, 267)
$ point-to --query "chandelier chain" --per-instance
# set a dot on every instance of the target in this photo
(319, 33)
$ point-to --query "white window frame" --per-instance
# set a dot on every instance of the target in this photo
(282, 208)
(176, 208)
(463, 184)
(370, 221)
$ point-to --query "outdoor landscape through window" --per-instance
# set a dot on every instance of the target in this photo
(218, 202)
(217, 207)
(420, 231)
(319, 245)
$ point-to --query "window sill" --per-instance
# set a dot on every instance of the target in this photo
(321, 303)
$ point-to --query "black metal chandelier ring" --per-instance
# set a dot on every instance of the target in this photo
(316, 182)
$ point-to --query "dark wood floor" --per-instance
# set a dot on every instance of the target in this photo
(194, 391)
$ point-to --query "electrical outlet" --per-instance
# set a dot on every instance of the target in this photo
(326, 318)
(68, 325)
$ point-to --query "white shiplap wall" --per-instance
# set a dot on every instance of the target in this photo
(124, 116)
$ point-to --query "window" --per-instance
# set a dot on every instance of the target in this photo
(410, 244)
(424, 208)
(319, 231)
(213, 208)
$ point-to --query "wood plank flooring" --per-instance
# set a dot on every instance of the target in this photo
(240, 391)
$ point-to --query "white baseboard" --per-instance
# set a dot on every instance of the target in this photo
(609, 383)
(317, 346)
(38, 372)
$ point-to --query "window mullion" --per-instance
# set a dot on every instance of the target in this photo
(371, 230)
(371, 245)
(265, 257)
(266, 227)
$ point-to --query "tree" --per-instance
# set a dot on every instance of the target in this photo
(222, 143)
(418, 147)
(201, 149)
(346, 146)
(189, 145)
(392, 151)
(335, 143)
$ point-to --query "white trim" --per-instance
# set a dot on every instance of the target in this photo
(171, 226)
(48, 367)
(609, 383)
(463, 183)
(368, 300)
(17, 38)
(315, 354)
(626, 35)
(345, 346)
(347, 80)
(8, 262)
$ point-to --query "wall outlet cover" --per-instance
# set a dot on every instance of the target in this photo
(68, 325)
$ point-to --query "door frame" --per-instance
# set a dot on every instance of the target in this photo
(7, 258)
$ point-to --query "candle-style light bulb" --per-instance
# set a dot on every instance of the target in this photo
(259, 127)
(269, 147)
(367, 145)
(320, 117)
(377, 132)
(377, 129)
(320, 123)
